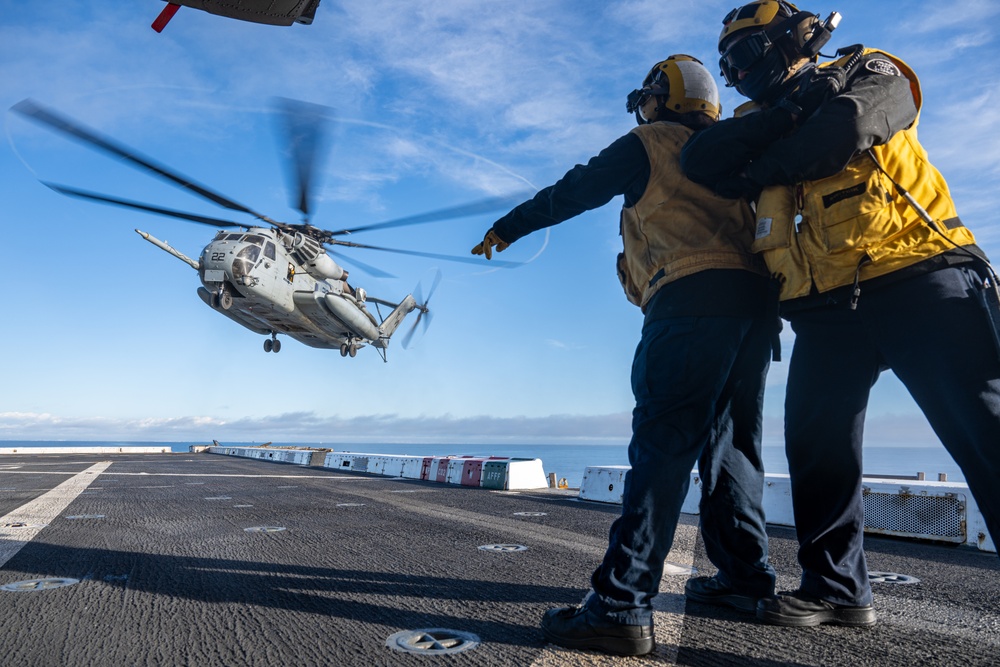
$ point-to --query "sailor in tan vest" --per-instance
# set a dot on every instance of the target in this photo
(699, 369)
(877, 272)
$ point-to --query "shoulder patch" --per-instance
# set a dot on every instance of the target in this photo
(882, 66)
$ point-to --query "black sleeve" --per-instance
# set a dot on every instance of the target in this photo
(723, 150)
(621, 168)
(876, 104)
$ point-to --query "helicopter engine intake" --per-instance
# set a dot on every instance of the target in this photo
(308, 252)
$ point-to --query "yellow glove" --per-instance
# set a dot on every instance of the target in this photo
(486, 247)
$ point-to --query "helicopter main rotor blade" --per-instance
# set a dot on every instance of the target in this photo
(105, 199)
(55, 121)
(305, 127)
(461, 211)
(367, 268)
(432, 255)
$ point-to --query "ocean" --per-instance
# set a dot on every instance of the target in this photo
(569, 461)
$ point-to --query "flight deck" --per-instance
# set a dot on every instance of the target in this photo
(202, 559)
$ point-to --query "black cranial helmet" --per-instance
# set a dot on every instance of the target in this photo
(761, 40)
(678, 85)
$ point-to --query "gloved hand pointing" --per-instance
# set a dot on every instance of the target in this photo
(486, 247)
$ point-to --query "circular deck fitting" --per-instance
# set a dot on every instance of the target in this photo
(85, 516)
(891, 578)
(531, 513)
(32, 585)
(18, 524)
(432, 641)
(503, 548)
(350, 504)
(264, 529)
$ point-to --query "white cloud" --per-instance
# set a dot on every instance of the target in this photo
(307, 427)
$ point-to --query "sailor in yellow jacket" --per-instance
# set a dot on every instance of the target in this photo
(876, 271)
(699, 369)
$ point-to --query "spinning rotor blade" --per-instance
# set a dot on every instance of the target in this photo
(432, 255)
(105, 199)
(367, 268)
(418, 294)
(35, 112)
(424, 315)
(461, 211)
(305, 127)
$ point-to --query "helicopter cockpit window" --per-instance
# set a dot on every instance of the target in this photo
(256, 239)
(221, 235)
(244, 261)
(269, 250)
(233, 237)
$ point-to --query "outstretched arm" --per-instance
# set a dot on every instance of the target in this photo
(621, 168)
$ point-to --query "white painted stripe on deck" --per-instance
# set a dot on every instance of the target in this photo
(42, 510)
(668, 605)
(203, 474)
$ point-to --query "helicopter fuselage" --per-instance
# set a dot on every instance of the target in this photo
(264, 280)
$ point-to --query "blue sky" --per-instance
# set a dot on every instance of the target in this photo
(437, 104)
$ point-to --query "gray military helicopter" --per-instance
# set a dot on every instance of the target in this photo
(279, 278)
(272, 12)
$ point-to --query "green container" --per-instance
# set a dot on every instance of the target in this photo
(494, 475)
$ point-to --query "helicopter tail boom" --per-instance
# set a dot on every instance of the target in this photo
(162, 245)
(395, 318)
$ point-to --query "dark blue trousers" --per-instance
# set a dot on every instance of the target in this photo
(699, 389)
(931, 331)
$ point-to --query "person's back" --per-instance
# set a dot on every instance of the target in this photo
(699, 368)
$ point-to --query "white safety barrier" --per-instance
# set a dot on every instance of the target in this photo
(87, 450)
(488, 472)
(917, 509)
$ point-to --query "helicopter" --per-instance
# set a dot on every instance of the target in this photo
(278, 277)
(271, 12)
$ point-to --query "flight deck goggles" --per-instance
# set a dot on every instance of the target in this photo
(743, 54)
(636, 99)
(653, 86)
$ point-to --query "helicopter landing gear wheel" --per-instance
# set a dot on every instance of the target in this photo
(343, 349)
(224, 299)
(272, 344)
(268, 345)
(277, 346)
(352, 350)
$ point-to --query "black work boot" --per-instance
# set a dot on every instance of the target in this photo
(709, 590)
(579, 627)
(796, 609)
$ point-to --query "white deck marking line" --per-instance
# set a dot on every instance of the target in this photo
(42, 510)
(199, 474)
(669, 604)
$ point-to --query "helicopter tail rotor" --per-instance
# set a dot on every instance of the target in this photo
(423, 313)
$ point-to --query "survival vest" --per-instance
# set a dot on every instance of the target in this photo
(678, 228)
(854, 225)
